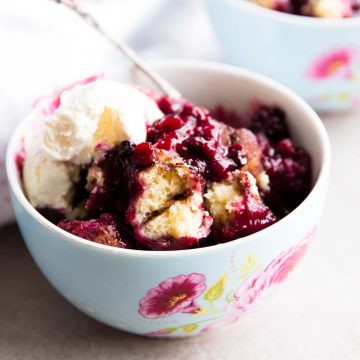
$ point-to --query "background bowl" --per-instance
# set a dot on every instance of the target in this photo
(317, 58)
(187, 292)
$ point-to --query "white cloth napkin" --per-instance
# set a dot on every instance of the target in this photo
(44, 46)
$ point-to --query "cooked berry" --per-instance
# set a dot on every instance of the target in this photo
(143, 155)
(296, 6)
(53, 215)
(289, 171)
(227, 117)
(270, 120)
(169, 106)
(104, 230)
(106, 175)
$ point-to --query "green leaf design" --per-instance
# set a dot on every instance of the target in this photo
(249, 267)
(188, 329)
(168, 330)
(230, 296)
(216, 291)
(250, 260)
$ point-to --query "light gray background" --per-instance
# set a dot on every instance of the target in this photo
(315, 314)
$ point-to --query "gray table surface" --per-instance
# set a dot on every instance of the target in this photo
(315, 314)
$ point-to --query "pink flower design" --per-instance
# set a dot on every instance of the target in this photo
(333, 63)
(356, 101)
(274, 273)
(249, 292)
(173, 295)
(255, 288)
(178, 294)
(232, 314)
(285, 263)
(161, 332)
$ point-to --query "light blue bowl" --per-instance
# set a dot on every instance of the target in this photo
(317, 58)
(182, 293)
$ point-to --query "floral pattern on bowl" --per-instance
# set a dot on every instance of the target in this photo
(173, 295)
(211, 307)
(340, 66)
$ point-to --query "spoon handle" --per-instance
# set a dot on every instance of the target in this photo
(162, 83)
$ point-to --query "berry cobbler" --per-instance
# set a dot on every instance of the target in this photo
(122, 168)
(315, 8)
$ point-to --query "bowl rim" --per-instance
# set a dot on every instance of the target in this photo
(16, 188)
(258, 10)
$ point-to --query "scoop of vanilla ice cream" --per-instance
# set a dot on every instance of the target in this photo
(267, 3)
(47, 182)
(102, 111)
(329, 8)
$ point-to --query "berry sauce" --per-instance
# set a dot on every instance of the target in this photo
(190, 131)
(193, 133)
(106, 230)
(109, 186)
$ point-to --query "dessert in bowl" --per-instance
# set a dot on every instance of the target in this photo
(337, 9)
(113, 165)
(316, 55)
(113, 276)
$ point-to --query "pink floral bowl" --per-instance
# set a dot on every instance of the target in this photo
(183, 293)
(317, 58)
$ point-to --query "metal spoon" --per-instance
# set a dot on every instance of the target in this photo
(161, 82)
